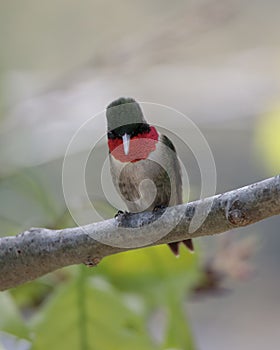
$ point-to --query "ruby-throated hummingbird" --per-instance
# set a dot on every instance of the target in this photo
(144, 165)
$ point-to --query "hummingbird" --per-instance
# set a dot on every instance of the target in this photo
(144, 165)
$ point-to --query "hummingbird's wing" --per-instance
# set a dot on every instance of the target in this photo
(174, 163)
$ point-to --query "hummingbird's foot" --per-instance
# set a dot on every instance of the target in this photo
(159, 207)
(121, 213)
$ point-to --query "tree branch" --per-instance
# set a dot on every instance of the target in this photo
(38, 251)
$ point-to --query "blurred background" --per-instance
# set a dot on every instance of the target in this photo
(215, 61)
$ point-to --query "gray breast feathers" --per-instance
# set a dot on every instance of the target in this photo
(155, 181)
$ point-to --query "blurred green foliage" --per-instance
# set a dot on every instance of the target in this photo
(10, 319)
(111, 306)
(107, 307)
(267, 140)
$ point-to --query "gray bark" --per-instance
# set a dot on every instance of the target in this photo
(38, 251)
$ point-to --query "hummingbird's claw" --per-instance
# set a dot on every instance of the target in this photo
(121, 213)
(159, 207)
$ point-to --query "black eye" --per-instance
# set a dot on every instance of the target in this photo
(143, 128)
(111, 134)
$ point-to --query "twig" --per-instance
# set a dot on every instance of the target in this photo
(38, 251)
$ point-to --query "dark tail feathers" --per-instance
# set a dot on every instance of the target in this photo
(175, 246)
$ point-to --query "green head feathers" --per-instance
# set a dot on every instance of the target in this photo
(123, 113)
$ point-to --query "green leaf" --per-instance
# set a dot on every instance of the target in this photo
(152, 268)
(163, 280)
(10, 318)
(178, 333)
(30, 295)
(102, 320)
